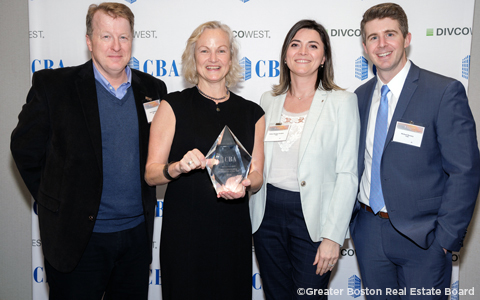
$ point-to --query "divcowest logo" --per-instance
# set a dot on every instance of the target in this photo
(251, 34)
(36, 34)
(262, 68)
(348, 32)
(145, 34)
(155, 67)
(347, 252)
(449, 31)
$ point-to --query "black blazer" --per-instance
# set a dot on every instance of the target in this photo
(57, 147)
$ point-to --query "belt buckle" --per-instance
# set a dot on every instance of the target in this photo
(380, 215)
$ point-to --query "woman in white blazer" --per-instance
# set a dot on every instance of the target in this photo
(301, 214)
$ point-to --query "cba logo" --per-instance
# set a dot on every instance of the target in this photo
(354, 285)
(466, 66)
(263, 68)
(247, 68)
(156, 277)
(449, 31)
(131, 1)
(35, 207)
(38, 275)
(156, 68)
(256, 283)
(159, 209)
(361, 68)
(38, 64)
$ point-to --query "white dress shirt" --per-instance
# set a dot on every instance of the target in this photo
(395, 85)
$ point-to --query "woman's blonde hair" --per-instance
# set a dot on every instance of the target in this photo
(189, 69)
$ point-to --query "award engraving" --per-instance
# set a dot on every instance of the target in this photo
(228, 162)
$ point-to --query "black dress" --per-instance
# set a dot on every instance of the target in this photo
(206, 242)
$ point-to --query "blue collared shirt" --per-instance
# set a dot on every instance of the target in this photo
(122, 89)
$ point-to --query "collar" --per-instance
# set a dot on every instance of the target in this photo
(122, 89)
(396, 84)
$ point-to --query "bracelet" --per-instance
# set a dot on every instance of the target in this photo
(165, 172)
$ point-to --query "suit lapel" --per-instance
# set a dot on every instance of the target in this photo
(408, 90)
(365, 102)
(143, 125)
(87, 94)
(139, 95)
(313, 116)
(273, 116)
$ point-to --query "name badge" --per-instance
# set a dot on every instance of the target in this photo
(150, 109)
(408, 134)
(277, 133)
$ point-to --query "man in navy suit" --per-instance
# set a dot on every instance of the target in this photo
(419, 166)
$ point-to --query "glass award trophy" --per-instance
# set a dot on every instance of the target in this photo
(228, 162)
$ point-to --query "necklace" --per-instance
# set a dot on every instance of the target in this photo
(211, 98)
(299, 98)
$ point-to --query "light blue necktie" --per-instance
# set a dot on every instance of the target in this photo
(381, 126)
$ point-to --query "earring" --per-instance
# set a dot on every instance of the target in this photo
(321, 66)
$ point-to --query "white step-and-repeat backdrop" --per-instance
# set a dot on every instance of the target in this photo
(441, 39)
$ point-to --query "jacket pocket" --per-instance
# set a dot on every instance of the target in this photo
(47, 201)
(429, 204)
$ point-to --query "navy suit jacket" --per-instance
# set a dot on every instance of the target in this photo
(430, 191)
(57, 147)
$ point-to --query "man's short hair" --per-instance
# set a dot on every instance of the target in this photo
(114, 10)
(385, 10)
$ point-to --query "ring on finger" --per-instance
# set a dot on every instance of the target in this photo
(331, 265)
(189, 163)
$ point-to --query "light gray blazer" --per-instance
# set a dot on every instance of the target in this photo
(327, 163)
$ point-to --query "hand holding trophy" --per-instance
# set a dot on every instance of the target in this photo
(228, 164)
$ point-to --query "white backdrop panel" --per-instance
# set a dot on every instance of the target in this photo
(441, 39)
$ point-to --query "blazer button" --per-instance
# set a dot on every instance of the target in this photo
(303, 183)
(90, 218)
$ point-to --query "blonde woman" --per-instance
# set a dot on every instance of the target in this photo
(206, 243)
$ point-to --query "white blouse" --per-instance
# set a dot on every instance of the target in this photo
(283, 170)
